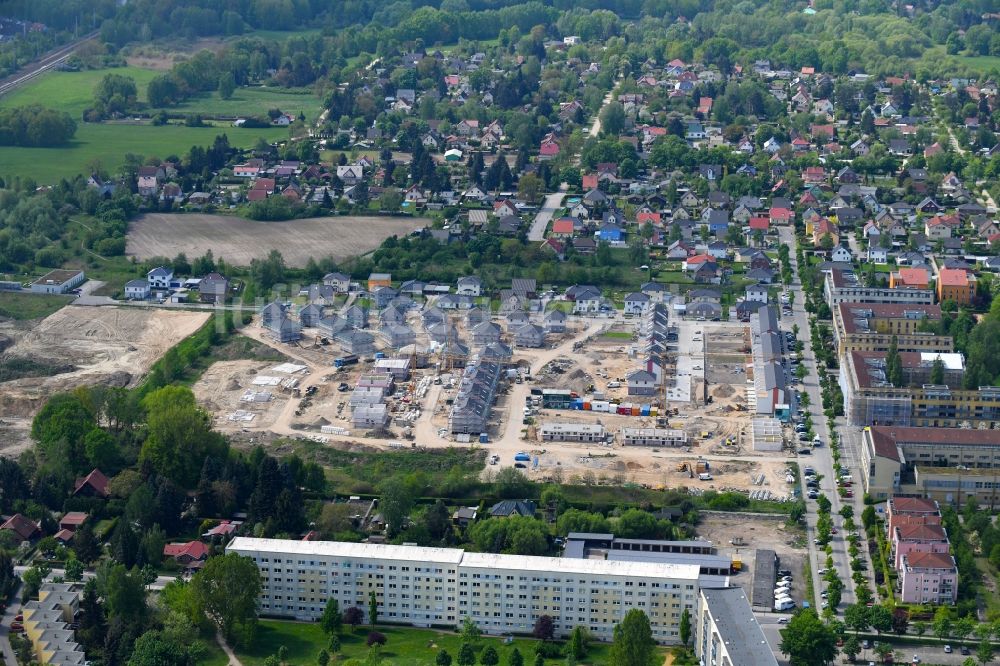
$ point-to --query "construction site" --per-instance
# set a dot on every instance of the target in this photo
(581, 385)
(79, 346)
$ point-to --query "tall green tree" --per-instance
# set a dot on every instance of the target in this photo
(685, 628)
(228, 587)
(633, 643)
(372, 608)
(332, 620)
(807, 640)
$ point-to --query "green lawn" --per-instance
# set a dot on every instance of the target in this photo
(254, 102)
(72, 92)
(405, 646)
(29, 306)
(109, 143)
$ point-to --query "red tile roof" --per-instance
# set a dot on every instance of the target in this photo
(929, 561)
(73, 519)
(96, 481)
(920, 532)
(64, 536)
(911, 504)
(953, 277)
(22, 526)
(195, 550)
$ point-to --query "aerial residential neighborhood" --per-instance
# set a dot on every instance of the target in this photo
(499, 333)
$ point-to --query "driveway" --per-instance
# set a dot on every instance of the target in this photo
(551, 204)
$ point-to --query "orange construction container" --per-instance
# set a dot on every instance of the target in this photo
(636, 411)
(586, 406)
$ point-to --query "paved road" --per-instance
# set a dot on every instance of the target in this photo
(551, 204)
(5, 648)
(821, 459)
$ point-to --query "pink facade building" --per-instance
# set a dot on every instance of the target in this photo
(908, 539)
(924, 510)
(928, 578)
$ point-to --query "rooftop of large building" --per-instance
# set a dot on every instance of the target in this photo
(458, 557)
(858, 317)
(738, 628)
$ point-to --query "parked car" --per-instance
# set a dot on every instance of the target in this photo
(947, 649)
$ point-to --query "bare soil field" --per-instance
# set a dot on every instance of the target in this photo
(84, 345)
(238, 240)
(222, 385)
(757, 533)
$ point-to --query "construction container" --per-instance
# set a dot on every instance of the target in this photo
(645, 410)
(701, 466)
(484, 438)
(601, 406)
(636, 411)
(652, 411)
(586, 406)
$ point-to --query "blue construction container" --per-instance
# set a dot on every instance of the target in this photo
(645, 410)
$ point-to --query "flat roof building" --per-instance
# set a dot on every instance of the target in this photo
(572, 432)
(653, 437)
(872, 327)
(727, 632)
(58, 282)
(425, 587)
(841, 286)
(951, 465)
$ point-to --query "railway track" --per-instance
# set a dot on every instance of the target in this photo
(44, 64)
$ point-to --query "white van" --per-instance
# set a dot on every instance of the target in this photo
(784, 604)
(614, 385)
(704, 476)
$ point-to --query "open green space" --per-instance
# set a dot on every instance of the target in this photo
(405, 646)
(108, 144)
(255, 101)
(72, 92)
(20, 306)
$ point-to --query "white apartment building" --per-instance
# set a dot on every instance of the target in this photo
(572, 432)
(426, 587)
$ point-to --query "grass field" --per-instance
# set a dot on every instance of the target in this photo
(73, 93)
(254, 101)
(405, 646)
(109, 143)
(29, 306)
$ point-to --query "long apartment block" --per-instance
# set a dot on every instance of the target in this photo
(427, 587)
(840, 286)
(872, 327)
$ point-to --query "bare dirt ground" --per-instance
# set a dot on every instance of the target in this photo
(238, 240)
(223, 384)
(757, 533)
(97, 345)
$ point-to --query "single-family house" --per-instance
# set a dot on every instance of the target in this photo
(529, 335)
(137, 290)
